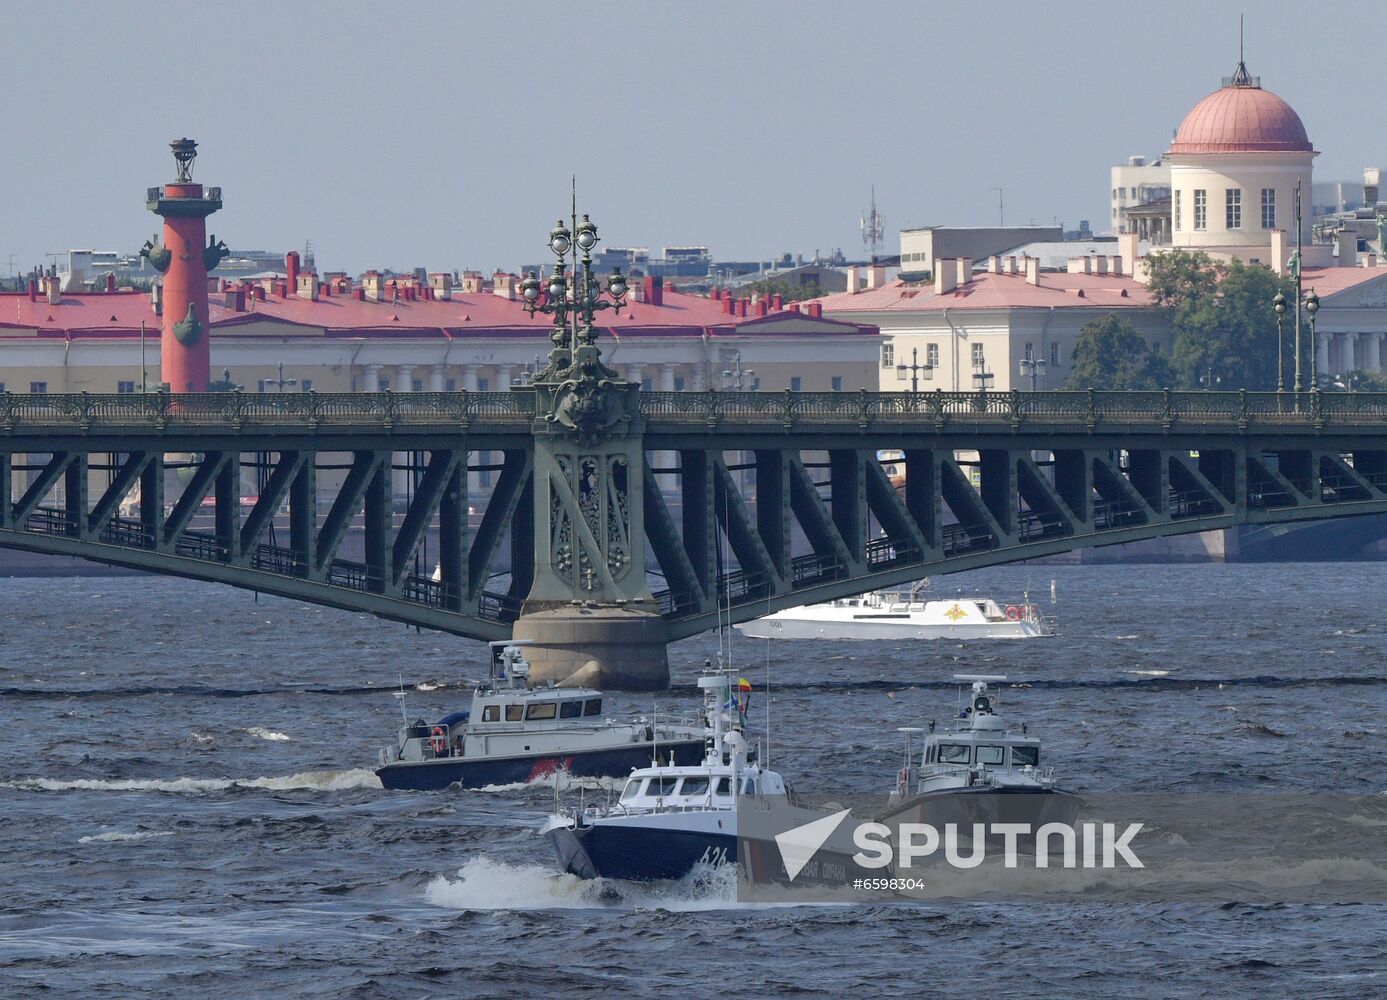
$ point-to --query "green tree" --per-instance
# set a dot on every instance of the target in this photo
(1222, 317)
(789, 291)
(1111, 354)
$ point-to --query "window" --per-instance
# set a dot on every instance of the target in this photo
(1024, 756)
(901, 374)
(1054, 352)
(593, 706)
(795, 383)
(38, 387)
(932, 355)
(1030, 350)
(656, 787)
(1122, 193)
(125, 387)
(1201, 210)
(1233, 214)
(755, 383)
(417, 384)
(749, 786)
(978, 359)
(632, 789)
(837, 383)
(888, 355)
(542, 710)
(570, 709)
(1177, 211)
(384, 385)
(514, 713)
(679, 383)
(492, 713)
(1268, 208)
(306, 385)
(694, 786)
(1114, 194)
(451, 385)
(721, 787)
(483, 385)
(954, 753)
(991, 754)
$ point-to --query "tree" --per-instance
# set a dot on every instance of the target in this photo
(1112, 354)
(789, 291)
(1223, 319)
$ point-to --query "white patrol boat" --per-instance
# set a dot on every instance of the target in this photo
(982, 771)
(893, 615)
(514, 734)
(672, 818)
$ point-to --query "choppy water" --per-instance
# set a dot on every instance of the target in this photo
(188, 805)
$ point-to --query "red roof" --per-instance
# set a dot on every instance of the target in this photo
(999, 291)
(118, 314)
(1241, 118)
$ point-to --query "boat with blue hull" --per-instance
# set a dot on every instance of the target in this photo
(672, 819)
(513, 733)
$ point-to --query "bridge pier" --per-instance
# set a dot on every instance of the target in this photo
(603, 646)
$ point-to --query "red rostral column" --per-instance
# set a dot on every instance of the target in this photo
(184, 260)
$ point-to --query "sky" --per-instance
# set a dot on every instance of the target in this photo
(444, 135)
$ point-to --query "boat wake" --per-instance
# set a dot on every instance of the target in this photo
(560, 781)
(486, 884)
(323, 781)
(120, 838)
(267, 734)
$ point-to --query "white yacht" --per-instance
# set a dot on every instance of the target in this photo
(894, 615)
(670, 819)
(956, 770)
(513, 733)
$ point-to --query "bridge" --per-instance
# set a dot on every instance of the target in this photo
(742, 503)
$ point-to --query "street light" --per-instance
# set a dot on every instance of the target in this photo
(1208, 380)
(574, 302)
(732, 377)
(1278, 304)
(279, 383)
(1032, 368)
(915, 369)
(1312, 306)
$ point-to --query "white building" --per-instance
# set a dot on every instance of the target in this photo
(1136, 183)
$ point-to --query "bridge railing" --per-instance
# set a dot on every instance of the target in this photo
(1087, 408)
(241, 409)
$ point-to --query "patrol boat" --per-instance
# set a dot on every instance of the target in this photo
(672, 818)
(513, 733)
(957, 770)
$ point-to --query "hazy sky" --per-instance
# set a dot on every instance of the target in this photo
(443, 135)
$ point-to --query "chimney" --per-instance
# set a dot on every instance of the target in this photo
(1278, 252)
(33, 290)
(1078, 265)
(816, 310)
(1115, 266)
(994, 264)
(965, 270)
(441, 282)
(1033, 270)
(55, 291)
(1370, 260)
(794, 307)
(762, 307)
(1011, 265)
(1100, 265)
(777, 302)
(653, 290)
(361, 294)
(503, 285)
(1347, 241)
(876, 275)
(239, 300)
(291, 268)
(729, 305)
(259, 293)
(715, 293)
(1129, 249)
(945, 275)
(372, 288)
(110, 282)
(741, 306)
(307, 287)
(852, 280)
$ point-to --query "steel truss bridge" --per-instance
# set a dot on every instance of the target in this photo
(756, 500)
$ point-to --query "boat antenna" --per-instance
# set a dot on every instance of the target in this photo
(654, 732)
(766, 759)
(400, 695)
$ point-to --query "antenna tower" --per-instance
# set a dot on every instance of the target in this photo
(873, 227)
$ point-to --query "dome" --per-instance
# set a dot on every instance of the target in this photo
(1241, 117)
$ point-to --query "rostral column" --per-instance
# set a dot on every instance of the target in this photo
(184, 259)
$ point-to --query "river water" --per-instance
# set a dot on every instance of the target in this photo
(189, 805)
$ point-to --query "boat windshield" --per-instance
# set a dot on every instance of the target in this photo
(694, 786)
(1023, 756)
(991, 754)
(954, 753)
(632, 789)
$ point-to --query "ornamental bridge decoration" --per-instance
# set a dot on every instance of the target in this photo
(749, 501)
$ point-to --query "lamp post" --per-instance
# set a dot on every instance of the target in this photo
(732, 377)
(1208, 380)
(279, 383)
(981, 378)
(915, 369)
(573, 303)
(1278, 304)
(1032, 368)
(1312, 306)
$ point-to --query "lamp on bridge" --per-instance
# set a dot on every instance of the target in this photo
(1209, 380)
(732, 377)
(279, 383)
(1278, 305)
(1312, 306)
(916, 370)
(1032, 368)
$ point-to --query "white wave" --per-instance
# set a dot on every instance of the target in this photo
(114, 837)
(486, 884)
(426, 686)
(201, 738)
(1149, 673)
(323, 781)
(267, 734)
(1126, 637)
(561, 780)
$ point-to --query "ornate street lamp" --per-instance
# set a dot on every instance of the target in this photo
(1278, 304)
(1312, 306)
(1033, 368)
(573, 302)
(915, 369)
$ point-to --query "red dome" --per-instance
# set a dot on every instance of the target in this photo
(1241, 119)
